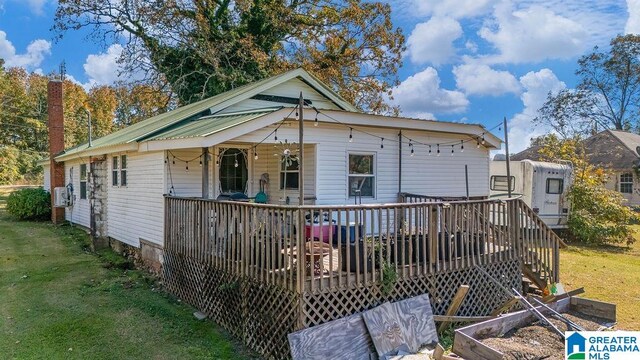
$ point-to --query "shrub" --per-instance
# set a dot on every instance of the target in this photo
(599, 215)
(30, 204)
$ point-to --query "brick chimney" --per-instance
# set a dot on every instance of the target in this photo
(56, 142)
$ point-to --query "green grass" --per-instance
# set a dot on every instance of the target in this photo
(58, 301)
(607, 273)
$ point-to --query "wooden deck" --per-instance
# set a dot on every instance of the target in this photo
(263, 271)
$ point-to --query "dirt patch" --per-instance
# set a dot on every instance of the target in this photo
(535, 341)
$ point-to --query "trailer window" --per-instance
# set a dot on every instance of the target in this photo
(554, 186)
(499, 183)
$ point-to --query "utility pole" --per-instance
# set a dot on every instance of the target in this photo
(506, 150)
(301, 155)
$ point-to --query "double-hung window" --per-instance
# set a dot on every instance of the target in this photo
(626, 183)
(119, 170)
(83, 181)
(362, 178)
(289, 173)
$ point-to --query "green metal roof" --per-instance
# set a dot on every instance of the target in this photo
(209, 125)
(150, 128)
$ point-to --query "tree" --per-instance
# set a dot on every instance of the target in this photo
(138, 102)
(205, 47)
(607, 96)
(598, 215)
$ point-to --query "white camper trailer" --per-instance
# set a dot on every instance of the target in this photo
(542, 185)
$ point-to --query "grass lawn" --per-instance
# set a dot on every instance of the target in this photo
(610, 274)
(58, 301)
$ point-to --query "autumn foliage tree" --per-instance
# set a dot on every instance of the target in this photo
(598, 215)
(205, 47)
(607, 96)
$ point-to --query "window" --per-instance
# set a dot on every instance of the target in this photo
(362, 178)
(83, 181)
(626, 183)
(289, 173)
(554, 186)
(233, 171)
(123, 170)
(114, 171)
(499, 183)
(119, 170)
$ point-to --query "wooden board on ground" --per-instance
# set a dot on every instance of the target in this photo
(345, 338)
(458, 298)
(408, 322)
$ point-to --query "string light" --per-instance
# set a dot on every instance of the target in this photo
(381, 143)
(350, 134)
(483, 139)
(166, 160)
(316, 121)
(255, 154)
(429, 150)
(438, 151)
(201, 162)
(187, 168)
(411, 147)
(174, 160)
(461, 146)
(477, 143)
(275, 132)
(235, 161)
(451, 150)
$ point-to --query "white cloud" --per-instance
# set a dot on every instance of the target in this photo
(33, 57)
(103, 68)
(454, 8)
(37, 6)
(536, 87)
(633, 22)
(532, 35)
(480, 79)
(432, 41)
(421, 96)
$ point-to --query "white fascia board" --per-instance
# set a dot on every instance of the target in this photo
(97, 151)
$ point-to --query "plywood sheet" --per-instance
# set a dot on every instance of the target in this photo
(345, 338)
(408, 322)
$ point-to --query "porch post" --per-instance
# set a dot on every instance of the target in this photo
(301, 156)
(205, 172)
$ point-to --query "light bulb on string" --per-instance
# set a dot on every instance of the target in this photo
(166, 159)
(438, 149)
(483, 139)
(255, 154)
(381, 143)
(350, 134)
(451, 150)
(235, 161)
(275, 132)
(461, 146)
(200, 161)
(429, 150)
(411, 147)
(477, 143)
(187, 167)
(315, 123)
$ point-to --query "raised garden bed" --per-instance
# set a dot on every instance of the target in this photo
(519, 335)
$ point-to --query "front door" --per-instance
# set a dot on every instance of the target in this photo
(233, 171)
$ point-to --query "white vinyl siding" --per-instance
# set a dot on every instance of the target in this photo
(137, 210)
(421, 174)
(185, 179)
(79, 213)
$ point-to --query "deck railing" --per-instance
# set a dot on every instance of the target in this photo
(310, 248)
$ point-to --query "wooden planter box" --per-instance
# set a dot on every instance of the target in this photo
(466, 342)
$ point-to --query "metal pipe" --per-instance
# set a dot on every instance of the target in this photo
(301, 155)
(506, 146)
(88, 123)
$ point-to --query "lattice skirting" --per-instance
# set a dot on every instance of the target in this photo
(258, 314)
(262, 315)
(482, 298)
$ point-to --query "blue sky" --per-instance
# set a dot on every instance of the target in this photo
(473, 61)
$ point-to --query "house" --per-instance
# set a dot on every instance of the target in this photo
(614, 150)
(267, 237)
(242, 131)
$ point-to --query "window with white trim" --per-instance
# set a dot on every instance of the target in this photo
(289, 173)
(362, 178)
(119, 170)
(115, 165)
(626, 183)
(83, 181)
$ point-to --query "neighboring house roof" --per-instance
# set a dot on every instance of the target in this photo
(611, 149)
(531, 153)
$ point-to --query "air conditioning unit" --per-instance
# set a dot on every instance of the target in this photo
(60, 197)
